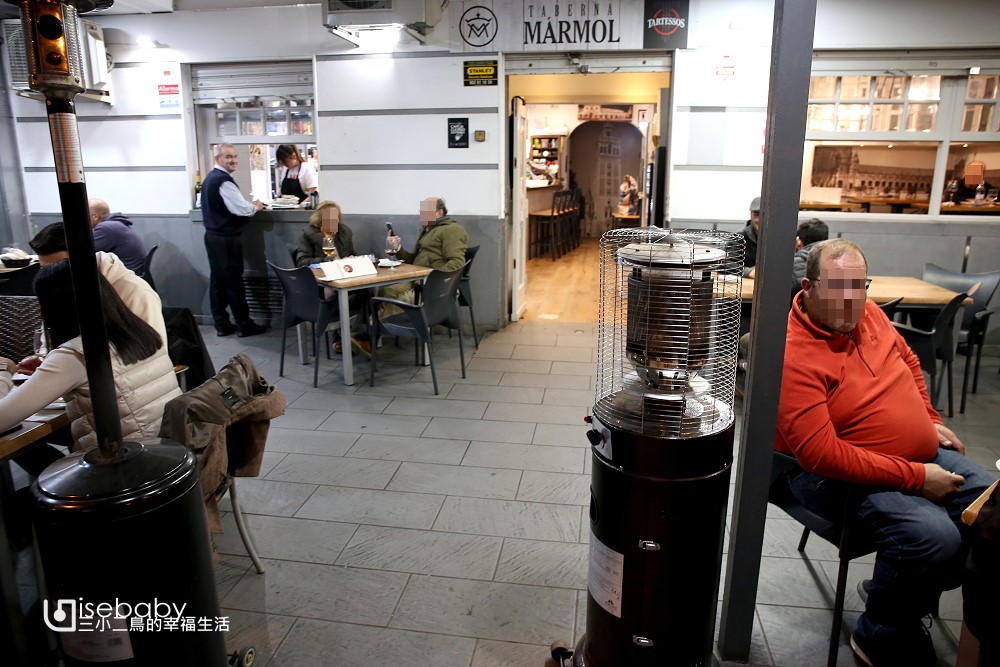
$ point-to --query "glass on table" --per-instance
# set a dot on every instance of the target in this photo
(329, 247)
(991, 196)
(391, 248)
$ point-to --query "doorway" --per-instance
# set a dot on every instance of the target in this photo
(596, 120)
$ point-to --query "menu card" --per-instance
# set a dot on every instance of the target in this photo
(349, 267)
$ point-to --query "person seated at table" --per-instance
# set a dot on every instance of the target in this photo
(50, 245)
(809, 233)
(143, 373)
(750, 233)
(628, 196)
(966, 185)
(855, 413)
(113, 232)
(441, 245)
(326, 219)
(294, 176)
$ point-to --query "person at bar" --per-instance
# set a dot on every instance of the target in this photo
(294, 176)
(855, 413)
(226, 214)
(143, 373)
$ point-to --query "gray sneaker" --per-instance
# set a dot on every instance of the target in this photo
(864, 586)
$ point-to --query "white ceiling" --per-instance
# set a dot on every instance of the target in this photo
(149, 6)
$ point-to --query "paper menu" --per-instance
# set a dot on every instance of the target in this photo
(349, 267)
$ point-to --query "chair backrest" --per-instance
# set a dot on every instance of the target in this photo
(962, 282)
(19, 282)
(942, 334)
(889, 307)
(470, 254)
(440, 299)
(293, 252)
(301, 295)
(147, 265)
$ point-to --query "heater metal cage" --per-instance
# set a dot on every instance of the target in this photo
(669, 324)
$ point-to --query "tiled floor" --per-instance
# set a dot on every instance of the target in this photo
(402, 528)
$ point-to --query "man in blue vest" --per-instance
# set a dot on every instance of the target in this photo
(226, 213)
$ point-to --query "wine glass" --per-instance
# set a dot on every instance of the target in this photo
(329, 248)
(391, 248)
(991, 196)
(951, 188)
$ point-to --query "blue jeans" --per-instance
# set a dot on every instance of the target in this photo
(920, 545)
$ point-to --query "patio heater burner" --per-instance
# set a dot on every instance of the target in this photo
(662, 436)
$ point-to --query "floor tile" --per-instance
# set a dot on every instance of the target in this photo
(325, 592)
(541, 414)
(583, 398)
(525, 457)
(299, 441)
(510, 365)
(357, 422)
(287, 538)
(259, 496)
(334, 471)
(562, 435)
(547, 487)
(478, 392)
(476, 429)
(350, 403)
(313, 643)
(262, 631)
(422, 552)
(377, 508)
(587, 368)
(456, 480)
(492, 653)
(543, 563)
(464, 409)
(507, 518)
(539, 380)
(547, 353)
(295, 418)
(488, 610)
(419, 450)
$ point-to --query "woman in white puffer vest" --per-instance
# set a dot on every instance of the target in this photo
(143, 373)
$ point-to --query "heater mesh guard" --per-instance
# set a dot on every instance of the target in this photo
(669, 325)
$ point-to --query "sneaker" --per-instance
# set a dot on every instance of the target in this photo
(227, 329)
(912, 648)
(251, 329)
(864, 586)
(362, 347)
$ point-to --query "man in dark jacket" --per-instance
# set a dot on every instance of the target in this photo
(750, 234)
(810, 233)
(226, 213)
(113, 233)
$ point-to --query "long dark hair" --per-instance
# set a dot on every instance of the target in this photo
(133, 339)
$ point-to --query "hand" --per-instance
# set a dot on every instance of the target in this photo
(258, 204)
(7, 365)
(753, 272)
(939, 483)
(29, 364)
(394, 241)
(948, 439)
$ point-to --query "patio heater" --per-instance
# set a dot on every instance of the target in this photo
(122, 525)
(662, 445)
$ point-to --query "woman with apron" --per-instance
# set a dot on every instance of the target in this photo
(295, 176)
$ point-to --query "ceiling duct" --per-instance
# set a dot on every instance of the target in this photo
(418, 15)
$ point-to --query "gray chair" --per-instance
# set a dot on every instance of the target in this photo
(889, 307)
(147, 266)
(975, 317)
(465, 289)
(438, 306)
(302, 303)
(850, 540)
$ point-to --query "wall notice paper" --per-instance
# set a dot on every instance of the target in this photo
(604, 576)
(349, 267)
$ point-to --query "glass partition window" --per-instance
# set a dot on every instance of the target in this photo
(256, 118)
(862, 103)
(980, 111)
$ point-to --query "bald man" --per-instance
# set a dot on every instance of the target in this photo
(113, 233)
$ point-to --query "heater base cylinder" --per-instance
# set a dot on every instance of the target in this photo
(655, 550)
(130, 534)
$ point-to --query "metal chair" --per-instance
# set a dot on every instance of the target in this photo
(975, 317)
(465, 289)
(19, 282)
(438, 306)
(147, 265)
(937, 344)
(889, 307)
(851, 542)
(302, 303)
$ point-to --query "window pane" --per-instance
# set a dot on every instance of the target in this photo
(855, 87)
(925, 88)
(250, 123)
(823, 87)
(982, 87)
(225, 124)
(889, 87)
(887, 117)
(852, 118)
(921, 117)
(976, 117)
(301, 122)
(277, 122)
(820, 117)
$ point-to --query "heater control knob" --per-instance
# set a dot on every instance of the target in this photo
(595, 437)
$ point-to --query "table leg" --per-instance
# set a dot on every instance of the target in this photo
(345, 336)
(303, 347)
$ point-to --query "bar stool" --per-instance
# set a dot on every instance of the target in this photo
(546, 226)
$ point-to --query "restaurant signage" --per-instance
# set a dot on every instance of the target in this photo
(666, 24)
(513, 26)
(458, 133)
(480, 72)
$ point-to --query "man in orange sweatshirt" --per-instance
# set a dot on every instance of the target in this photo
(854, 408)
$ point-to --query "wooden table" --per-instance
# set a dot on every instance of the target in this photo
(32, 432)
(344, 286)
(619, 220)
(828, 206)
(895, 204)
(964, 209)
(915, 292)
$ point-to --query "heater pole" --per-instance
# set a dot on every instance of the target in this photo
(53, 51)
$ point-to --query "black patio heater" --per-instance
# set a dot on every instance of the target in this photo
(120, 529)
(662, 445)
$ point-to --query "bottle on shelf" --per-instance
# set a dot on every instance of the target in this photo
(980, 195)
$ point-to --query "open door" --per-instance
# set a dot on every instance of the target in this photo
(519, 210)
